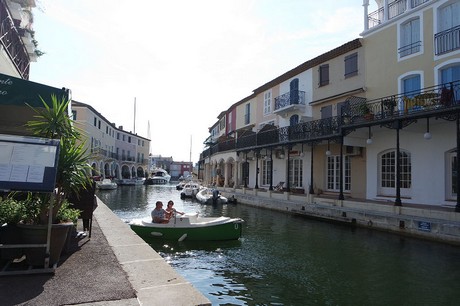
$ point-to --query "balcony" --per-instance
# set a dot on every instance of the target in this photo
(441, 101)
(12, 43)
(431, 101)
(395, 8)
(447, 41)
(290, 102)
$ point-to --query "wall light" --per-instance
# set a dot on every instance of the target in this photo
(328, 152)
(427, 135)
(369, 138)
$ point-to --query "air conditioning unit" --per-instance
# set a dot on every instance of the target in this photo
(353, 151)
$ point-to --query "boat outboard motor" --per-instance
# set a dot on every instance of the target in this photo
(215, 196)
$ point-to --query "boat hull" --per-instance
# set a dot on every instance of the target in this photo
(230, 230)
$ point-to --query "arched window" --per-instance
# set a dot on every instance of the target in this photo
(294, 120)
(387, 173)
(451, 173)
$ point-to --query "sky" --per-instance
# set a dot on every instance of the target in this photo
(166, 69)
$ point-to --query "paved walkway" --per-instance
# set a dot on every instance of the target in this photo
(114, 267)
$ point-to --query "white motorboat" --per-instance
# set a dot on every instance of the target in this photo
(210, 196)
(106, 184)
(159, 177)
(190, 190)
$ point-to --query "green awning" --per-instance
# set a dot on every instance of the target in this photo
(18, 92)
(15, 93)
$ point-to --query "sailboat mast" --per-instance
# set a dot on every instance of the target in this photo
(134, 130)
(190, 148)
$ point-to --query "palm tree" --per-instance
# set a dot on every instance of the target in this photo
(72, 170)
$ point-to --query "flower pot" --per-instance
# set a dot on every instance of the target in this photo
(10, 234)
(37, 234)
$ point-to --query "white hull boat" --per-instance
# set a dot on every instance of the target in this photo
(209, 196)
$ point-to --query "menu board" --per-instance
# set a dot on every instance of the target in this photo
(28, 163)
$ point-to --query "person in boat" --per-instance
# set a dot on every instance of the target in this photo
(170, 210)
(159, 215)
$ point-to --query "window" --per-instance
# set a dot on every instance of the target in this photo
(247, 114)
(411, 85)
(129, 139)
(387, 173)
(333, 173)
(450, 74)
(267, 102)
(351, 65)
(410, 38)
(447, 38)
(323, 75)
(296, 173)
(266, 172)
(74, 115)
(95, 121)
(99, 124)
(106, 129)
(452, 175)
(118, 135)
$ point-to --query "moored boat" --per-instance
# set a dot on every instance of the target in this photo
(190, 190)
(189, 227)
(106, 184)
(135, 181)
(210, 196)
(159, 177)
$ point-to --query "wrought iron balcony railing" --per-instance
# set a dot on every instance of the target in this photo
(410, 104)
(430, 101)
(447, 41)
(294, 97)
(395, 9)
(12, 43)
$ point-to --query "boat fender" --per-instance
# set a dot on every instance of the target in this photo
(182, 238)
(156, 234)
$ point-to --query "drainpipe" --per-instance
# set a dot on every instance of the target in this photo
(288, 183)
(398, 167)
(257, 170)
(271, 169)
(341, 197)
(457, 207)
(311, 191)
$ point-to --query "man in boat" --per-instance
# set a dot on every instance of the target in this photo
(159, 214)
(170, 210)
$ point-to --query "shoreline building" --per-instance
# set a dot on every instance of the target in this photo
(115, 153)
(377, 118)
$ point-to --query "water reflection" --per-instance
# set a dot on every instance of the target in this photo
(287, 260)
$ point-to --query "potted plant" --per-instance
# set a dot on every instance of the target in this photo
(71, 176)
(389, 105)
(365, 111)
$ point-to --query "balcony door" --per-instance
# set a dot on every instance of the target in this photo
(294, 91)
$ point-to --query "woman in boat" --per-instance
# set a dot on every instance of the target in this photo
(159, 215)
(170, 210)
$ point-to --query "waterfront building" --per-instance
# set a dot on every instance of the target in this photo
(178, 169)
(115, 153)
(376, 118)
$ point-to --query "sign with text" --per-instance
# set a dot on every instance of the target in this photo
(28, 163)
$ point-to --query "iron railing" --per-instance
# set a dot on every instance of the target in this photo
(395, 9)
(430, 101)
(447, 41)
(294, 97)
(12, 43)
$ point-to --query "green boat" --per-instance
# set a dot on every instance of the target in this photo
(189, 227)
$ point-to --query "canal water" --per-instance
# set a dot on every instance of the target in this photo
(283, 259)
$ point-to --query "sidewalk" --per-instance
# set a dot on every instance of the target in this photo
(114, 267)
